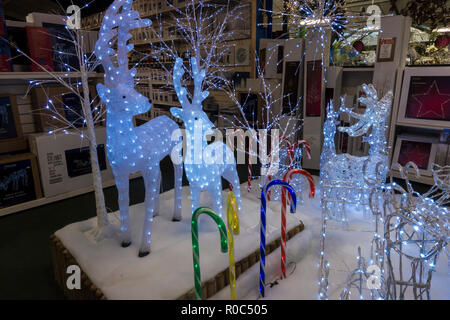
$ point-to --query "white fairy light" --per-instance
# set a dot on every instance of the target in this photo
(346, 179)
(131, 149)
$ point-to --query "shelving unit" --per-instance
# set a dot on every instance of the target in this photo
(16, 84)
(42, 75)
(43, 201)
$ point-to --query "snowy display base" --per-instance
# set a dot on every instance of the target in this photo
(167, 273)
(341, 251)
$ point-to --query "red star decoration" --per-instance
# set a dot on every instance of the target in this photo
(432, 103)
(417, 152)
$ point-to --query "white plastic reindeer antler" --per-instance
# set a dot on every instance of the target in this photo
(182, 93)
(118, 24)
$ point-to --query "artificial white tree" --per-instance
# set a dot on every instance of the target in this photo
(75, 79)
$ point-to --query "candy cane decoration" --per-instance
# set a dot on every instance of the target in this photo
(287, 178)
(291, 153)
(233, 228)
(262, 245)
(195, 248)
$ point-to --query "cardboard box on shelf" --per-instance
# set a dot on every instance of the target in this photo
(11, 134)
(19, 179)
(60, 97)
(64, 161)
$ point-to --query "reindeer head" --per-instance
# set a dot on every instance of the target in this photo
(123, 100)
(191, 112)
(376, 113)
(118, 91)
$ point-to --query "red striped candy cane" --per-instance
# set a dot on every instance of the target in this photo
(287, 178)
(312, 187)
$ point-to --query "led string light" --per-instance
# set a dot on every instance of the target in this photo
(131, 149)
(262, 245)
(344, 178)
(196, 249)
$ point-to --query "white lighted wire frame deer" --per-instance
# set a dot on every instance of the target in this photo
(341, 175)
(205, 165)
(413, 238)
(405, 255)
(132, 149)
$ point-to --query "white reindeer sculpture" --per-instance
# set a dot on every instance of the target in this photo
(343, 175)
(132, 149)
(203, 172)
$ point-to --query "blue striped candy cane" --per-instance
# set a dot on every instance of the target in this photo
(262, 245)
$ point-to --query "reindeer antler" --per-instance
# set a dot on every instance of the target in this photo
(182, 93)
(118, 24)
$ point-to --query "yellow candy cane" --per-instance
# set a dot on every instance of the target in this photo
(232, 213)
(233, 228)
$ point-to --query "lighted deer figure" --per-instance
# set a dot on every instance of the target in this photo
(343, 175)
(203, 173)
(131, 149)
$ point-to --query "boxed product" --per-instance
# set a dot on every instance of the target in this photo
(19, 179)
(64, 161)
(11, 135)
(60, 100)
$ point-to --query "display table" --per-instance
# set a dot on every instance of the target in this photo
(112, 272)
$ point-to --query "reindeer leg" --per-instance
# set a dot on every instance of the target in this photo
(195, 197)
(156, 213)
(215, 190)
(151, 193)
(123, 185)
(178, 175)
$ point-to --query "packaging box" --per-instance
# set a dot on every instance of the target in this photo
(64, 161)
(11, 135)
(60, 96)
(19, 179)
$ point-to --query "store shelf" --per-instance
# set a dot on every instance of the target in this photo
(170, 104)
(43, 75)
(149, 41)
(59, 197)
(421, 126)
(358, 69)
(166, 10)
(422, 179)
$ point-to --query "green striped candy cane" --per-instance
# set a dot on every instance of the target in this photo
(195, 248)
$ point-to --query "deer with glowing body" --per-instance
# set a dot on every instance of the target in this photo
(132, 149)
(343, 175)
(204, 172)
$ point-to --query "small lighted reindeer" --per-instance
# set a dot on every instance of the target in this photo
(203, 173)
(343, 175)
(131, 149)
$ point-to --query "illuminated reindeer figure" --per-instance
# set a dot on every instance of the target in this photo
(203, 173)
(343, 175)
(132, 149)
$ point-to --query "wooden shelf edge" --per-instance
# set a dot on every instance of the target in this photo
(420, 126)
(422, 179)
(42, 75)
